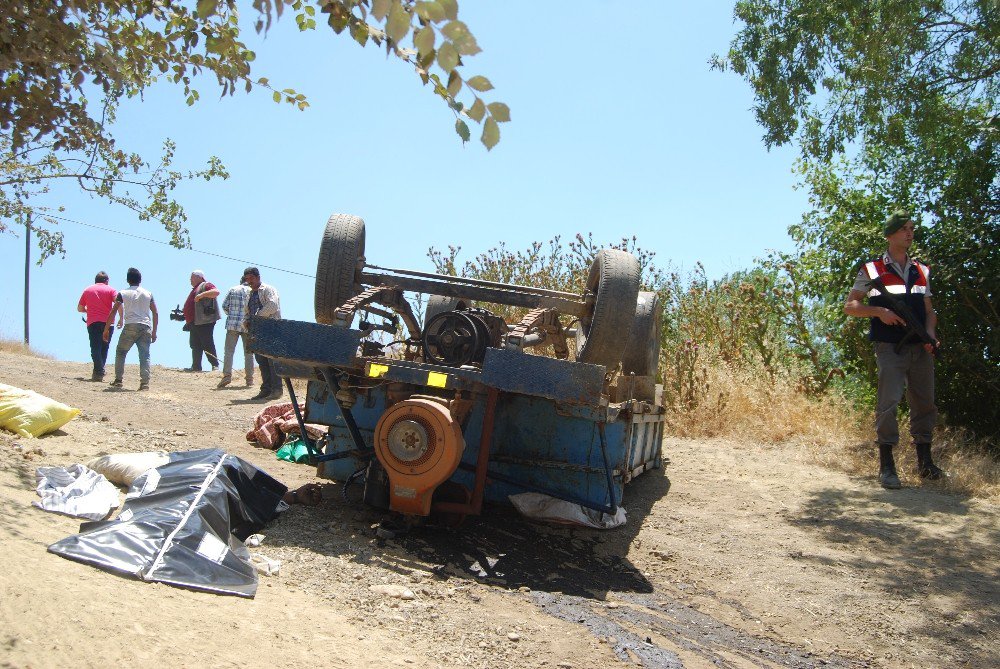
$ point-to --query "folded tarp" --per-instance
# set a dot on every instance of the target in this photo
(184, 523)
(75, 491)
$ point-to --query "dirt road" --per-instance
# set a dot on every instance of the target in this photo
(734, 555)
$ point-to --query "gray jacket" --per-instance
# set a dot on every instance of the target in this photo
(206, 311)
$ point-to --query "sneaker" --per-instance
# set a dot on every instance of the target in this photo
(889, 479)
(249, 382)
(117, 383)
(96, 377)
(143, 386)
(190, 369)
(262, 395)
(224, 382)
(276, 395)
(215, 368)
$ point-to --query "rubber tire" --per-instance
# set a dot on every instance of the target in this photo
(601, 336)
(438, 304)
(338, 271)
(642, 350)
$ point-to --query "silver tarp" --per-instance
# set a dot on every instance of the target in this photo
(184, 524)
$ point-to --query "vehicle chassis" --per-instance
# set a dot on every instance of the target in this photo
(521, 422)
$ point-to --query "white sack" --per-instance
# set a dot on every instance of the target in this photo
(542, 507)
(123, 468)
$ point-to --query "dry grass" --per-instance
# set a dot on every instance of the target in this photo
(19, 347)
(750, 408)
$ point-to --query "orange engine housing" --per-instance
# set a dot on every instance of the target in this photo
(420, 445)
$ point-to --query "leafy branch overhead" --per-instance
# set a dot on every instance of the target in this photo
(65, 68)
(439, 43)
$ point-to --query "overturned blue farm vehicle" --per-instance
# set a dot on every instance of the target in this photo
(460, 411)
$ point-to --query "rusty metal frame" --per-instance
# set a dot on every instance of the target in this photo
(387, 296)
(475, 505)
(548, 329)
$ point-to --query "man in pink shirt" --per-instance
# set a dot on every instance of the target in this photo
(96, 302)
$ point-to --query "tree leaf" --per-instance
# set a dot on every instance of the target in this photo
(450, 8)
(447, 57)
(463, 130)
(380, 8)
(425, 60)
(430, 11)
(477, 111)
(479, 83)
(206, 8)
(499, 111)
(359, 31)
(398, 24)
(454, 30)
(423, 40)
(276, 96)
(454, 83)
(459, 33)
(491, 134)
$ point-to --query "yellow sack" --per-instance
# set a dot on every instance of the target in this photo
(29, 414)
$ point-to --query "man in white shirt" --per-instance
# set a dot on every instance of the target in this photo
(137, 317)
(264, 303)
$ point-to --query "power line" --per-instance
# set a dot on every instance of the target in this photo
(157, 241)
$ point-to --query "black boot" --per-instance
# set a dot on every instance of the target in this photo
(887, 475)
(925, 465)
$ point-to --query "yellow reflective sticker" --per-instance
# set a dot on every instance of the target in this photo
(376, 371)
(437, 379)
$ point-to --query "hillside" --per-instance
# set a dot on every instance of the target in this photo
(735, 555)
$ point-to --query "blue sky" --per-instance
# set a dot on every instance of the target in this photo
(618, 128)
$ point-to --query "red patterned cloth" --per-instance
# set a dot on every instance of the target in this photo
(274, 422)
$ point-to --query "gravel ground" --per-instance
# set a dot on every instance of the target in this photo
(734, 555)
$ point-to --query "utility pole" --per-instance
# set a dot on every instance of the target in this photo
(27, 274)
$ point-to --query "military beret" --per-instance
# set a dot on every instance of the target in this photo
(896, 220)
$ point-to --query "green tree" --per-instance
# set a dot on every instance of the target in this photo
(892, 103)
(66, 66)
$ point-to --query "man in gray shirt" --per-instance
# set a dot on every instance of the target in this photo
(903, 365)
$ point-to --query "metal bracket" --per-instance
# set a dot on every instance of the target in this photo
(387, 296)
(546, 326)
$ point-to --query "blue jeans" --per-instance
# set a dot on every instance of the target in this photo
(141, 336)
(98, 347)
(270, 381)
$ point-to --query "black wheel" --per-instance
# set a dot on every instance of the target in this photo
(601, 335)
(341, 258)
(454, 339)
(642, 351)
(438, 304)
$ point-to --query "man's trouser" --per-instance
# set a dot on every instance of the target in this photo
(98, 347)
(141, 336)
(269, 381)
(202, 341)
(912, 370)
(232, 336)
